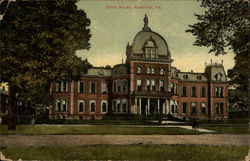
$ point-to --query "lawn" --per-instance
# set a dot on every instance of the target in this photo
(228, 129)
(94, 130)
(130, 152)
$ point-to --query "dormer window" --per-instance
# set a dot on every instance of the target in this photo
(218, 76)
(150, 48)
(199, 77)
(185, 76)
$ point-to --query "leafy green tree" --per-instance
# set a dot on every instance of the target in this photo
(225, 26)
(37, 45)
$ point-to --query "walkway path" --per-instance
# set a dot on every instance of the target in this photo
(180, 126)
(77, 140)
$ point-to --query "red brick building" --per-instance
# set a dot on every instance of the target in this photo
(146, 84)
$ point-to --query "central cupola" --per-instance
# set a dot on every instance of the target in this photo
(148, 44)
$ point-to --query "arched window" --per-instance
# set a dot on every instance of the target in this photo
(162, 71)
(150, 49)
(138, 70)
(218, 76)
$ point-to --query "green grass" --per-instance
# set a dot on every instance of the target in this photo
(228, 129)
(130, 152)
(115, 121)
(94, 130)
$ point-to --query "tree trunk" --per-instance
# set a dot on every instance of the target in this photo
(11, 115)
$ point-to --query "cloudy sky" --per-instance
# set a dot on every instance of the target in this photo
(114, 23)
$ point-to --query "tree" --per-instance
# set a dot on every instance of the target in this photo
(225, 26)
(37, 45)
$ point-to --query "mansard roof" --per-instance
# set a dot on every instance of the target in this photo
(99, 71)
(146, 34)
(120, 70)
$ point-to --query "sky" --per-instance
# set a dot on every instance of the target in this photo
(114, 23)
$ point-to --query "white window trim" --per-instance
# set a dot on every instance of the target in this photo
(137, 84)
(126, 102)
(138, 70)
(79, 82)
(62, 101)
(104, 101)
(78, 104)
(185, 109)
(90, 91)
(90, 102)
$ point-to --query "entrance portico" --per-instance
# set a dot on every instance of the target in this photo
(151, 105)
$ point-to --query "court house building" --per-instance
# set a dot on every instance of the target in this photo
(145, 84)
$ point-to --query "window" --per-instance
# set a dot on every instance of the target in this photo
(124, 106)
(174, 88)
(114, 105)
(162, 72)
(92, 106)
(173, 106)
(148, 70)
(138, 84)
(124, 85)
(219, 91)
(193, 94)
(119, 86)
(138, 70)
(193, 107)
(203, 91)
(61, 105)
(199, 77)
(218, 76)
(148, 85)
(152, 70)
(147, 50)
(92, 87)
(81, 87)
(61, 86)
(104, 87)
(184, 107)
(80, 105)
(118, 104)
(153, 53)
(185, 76)
(153, 85)
(219, 108)
(184, 91)
(203, 108)
(105, 106)
(162, 85)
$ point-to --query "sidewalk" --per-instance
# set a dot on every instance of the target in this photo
(179, 126)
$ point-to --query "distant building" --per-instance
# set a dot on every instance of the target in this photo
(22, 111)
(4, 93)
(146, 84)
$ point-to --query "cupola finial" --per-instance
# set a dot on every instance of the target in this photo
(145, 21)
(146, 28)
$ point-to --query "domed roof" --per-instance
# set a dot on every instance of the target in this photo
(146, 34)
(120, 70)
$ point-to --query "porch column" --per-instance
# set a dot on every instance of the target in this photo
(167, 107)
(148, 107)
(139, 105)
(158, 106)
(136, 107)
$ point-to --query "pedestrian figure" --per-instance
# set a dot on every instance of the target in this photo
(195, 124)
